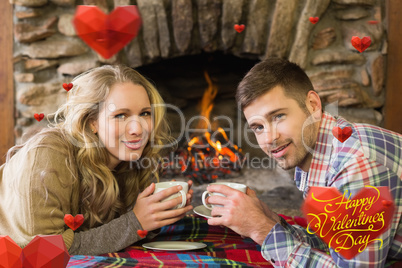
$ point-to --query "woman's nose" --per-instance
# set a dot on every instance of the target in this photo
(134, 127)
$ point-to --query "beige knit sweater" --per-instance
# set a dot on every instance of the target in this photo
(34, 203)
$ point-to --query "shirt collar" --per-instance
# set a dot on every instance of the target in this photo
(321, 156)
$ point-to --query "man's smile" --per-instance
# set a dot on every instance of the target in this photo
(280, 151)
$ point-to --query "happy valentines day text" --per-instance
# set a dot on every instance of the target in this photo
(343, 215)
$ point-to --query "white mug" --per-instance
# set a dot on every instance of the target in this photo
(236, 186)
(160, 186)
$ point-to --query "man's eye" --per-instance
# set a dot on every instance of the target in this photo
(257, 129)
(120, 116)
(279, 117)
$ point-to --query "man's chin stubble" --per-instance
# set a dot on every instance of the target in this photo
(282, 164)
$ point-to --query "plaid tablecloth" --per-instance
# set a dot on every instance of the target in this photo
(224, 248)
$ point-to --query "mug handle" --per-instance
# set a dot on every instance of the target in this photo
(183, 199)
(208, 206)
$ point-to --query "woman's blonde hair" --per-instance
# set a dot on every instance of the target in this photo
(104, 194)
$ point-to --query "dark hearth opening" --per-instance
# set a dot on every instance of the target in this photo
(182, 83)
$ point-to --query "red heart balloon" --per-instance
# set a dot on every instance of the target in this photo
(314, 20)
(42, 251)
(68, 86)
(142, 233)
(342, 134)
(361, 44)
(10, 253)
(239, 28)
(39, 117)
(348, 225)
(107, 34)
(387, 203)
(45, 251)
(74, 222)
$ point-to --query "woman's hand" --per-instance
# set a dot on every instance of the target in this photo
(190, 191)
(153, 214)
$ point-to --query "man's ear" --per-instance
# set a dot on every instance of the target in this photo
(314, 104)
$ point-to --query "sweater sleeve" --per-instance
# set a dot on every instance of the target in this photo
(48, 184)
(111, 237)
(45, 185)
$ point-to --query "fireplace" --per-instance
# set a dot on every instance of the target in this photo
(183, 44)
(182, 83)
(180, 39)
(212, 140)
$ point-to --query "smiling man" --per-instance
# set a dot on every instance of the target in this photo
(285, 113)
(284, 121)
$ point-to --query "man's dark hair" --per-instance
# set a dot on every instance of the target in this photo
(270, 73)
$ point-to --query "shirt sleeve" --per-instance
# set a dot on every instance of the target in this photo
(291, 246)
(50, 192)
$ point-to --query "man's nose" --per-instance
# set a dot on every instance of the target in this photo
(271, 135)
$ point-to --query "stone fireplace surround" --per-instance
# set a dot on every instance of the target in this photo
(47, 51)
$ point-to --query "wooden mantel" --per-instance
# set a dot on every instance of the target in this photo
(393, 101)
(392, 109)
(6, 79)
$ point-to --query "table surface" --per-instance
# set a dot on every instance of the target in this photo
(224, 248)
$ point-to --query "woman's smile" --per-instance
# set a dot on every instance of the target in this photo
(133, 145)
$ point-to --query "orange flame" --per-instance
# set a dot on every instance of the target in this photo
(206, 106)
(193, 140)
(207, 102)
(219, 146)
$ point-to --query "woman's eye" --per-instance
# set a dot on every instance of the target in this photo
(146, 113)
(120, 116)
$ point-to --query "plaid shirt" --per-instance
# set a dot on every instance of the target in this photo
(370, 156)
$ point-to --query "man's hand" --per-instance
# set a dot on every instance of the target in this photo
(267, 211)
(243, 213)
(153, 214)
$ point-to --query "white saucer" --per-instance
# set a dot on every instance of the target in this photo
(174, 245)
(202, 211)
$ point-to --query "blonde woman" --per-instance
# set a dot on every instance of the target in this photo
(98, 159)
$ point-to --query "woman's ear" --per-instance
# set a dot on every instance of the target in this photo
(314, 104)
(94, 127)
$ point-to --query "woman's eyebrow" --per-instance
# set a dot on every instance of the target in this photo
(121, 110)
(126, 110)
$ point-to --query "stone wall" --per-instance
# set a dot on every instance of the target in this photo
(48, 52)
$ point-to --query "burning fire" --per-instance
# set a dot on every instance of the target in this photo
(205, 158)
(207, 102)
